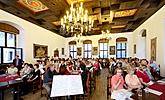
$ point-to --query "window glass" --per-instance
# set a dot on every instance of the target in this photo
(2, 38)
(105, 46)
(10, 40)
(123, 45)
(101, 46)
(87, 50)
(101, 54)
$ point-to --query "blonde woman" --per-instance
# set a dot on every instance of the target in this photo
(132, 80)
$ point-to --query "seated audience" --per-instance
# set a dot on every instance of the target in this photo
(12, 70)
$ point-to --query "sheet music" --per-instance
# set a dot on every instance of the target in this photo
(75, 85)
(64, 85)
(153, 91)
(161, 81)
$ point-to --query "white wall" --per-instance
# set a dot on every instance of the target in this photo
(112, 42)
(155, 27)
(30, 34)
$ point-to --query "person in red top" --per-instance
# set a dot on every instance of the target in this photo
(142, 75)
(117, 80)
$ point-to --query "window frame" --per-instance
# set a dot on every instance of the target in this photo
(88, 51)
(12, 47)
(74, 51)
(103, 49)
(121, 50)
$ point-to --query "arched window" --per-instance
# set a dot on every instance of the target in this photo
(8, 35)
(87, 48)
(73, 49)
(8, 43)
(121, 47)
(103, 48)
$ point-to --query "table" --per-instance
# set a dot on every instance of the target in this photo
(3, 86)
(159, 87)
(9, 81)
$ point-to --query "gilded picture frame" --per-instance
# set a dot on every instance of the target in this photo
(79, 50)
(62, 51)
(40, 51)
(153, 48)
(134, 48)
(112, 50)
(94, 51)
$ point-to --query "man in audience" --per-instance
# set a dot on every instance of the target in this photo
(48, 78)
(154, 68)
(18, 62)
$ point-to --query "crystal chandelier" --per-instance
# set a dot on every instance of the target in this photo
(76, 20)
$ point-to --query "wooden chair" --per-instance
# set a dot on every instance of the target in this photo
(36, 85)
(88, 85)
(109, 86)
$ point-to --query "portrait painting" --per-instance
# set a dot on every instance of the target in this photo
(56, 53)
(153, 48)
(112, 50)
(79, 51)
(40, 51)
(94, 51)
(134, 48)
(62, 51)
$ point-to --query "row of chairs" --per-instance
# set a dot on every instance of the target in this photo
(90, 83)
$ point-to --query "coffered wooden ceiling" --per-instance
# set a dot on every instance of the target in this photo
(114, 15)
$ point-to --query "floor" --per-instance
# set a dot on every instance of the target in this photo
(99, 93)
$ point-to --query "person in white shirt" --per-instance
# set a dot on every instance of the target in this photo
(12, 70)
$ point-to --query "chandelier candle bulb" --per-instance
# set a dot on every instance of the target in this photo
(76, 20)
(64, 19)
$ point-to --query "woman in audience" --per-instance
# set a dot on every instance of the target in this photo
(35, 74)
(97, 66)
(132, 80)
(147, 68)
(117, 80)
(142, 75)
(12, 70)
(63, 70)
(25, 71)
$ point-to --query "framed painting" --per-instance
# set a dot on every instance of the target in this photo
(79, 50)
(134, 48)
(153, 48)
(94, 51)
(40, 51)
(62, 51)
(56, 53)
(112, 50)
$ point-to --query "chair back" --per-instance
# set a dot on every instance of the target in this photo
(109, 86)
